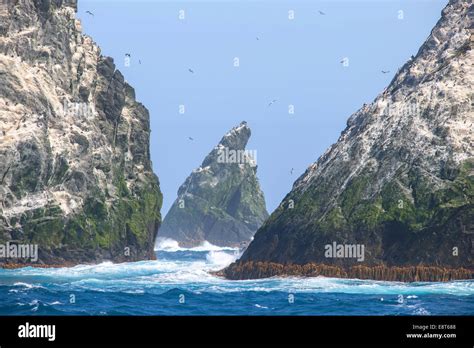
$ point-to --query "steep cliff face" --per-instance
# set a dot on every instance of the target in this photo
(221, 201)
(399, 181)
(75, 171)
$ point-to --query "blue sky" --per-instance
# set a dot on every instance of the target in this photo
(295, 61)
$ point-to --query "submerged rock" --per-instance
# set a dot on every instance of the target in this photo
(75, 172)
(399, 181)
(221, 201)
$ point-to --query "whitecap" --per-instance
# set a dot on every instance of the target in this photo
(421, 311)
(28, 286)
(206, 246)
(167, 244)
(171, 245)
(138, 291)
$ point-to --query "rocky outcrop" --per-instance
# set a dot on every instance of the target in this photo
(75, 172)
(221, 201)
(399, 181)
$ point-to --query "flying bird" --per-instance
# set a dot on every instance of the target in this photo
(191, 71)
(321, 13)
(257, 38)
(291, 172)
(128, 55)
(90, 13)
(139, 61)
(272, 102)
(192, 139)
(385, 71)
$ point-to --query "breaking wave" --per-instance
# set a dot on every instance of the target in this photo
(170, 245)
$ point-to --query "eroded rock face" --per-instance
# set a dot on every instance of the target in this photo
(75, 170)
(221, 201)
(398, 181)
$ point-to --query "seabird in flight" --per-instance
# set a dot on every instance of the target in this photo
(272, 102)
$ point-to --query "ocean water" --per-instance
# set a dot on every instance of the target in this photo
(180, 283)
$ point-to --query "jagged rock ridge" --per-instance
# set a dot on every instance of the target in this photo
(399, 180)
(221, 201)
(75, 170)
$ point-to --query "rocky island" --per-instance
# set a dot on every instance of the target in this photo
(76, 178)
(393, 198)
(221, 201)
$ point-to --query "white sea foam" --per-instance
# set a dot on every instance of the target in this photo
(421, 311)
(170, 245)
(27, 285)
(167, 244)
(206, 246)
(194, 273)
(221, 259)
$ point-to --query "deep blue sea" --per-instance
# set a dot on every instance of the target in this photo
(179, 283)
